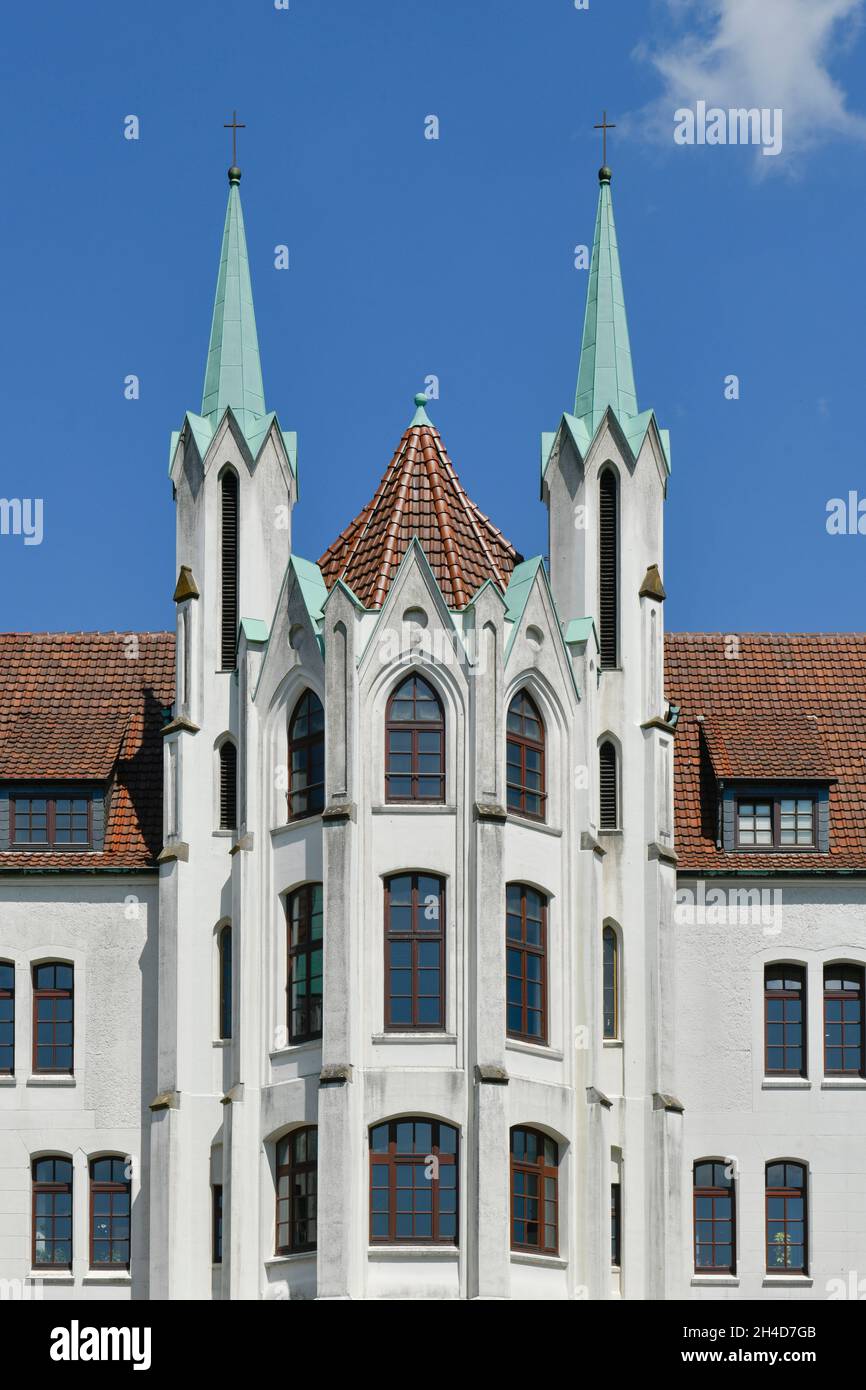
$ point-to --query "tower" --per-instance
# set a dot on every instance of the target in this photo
(604, 480)
(234, 479)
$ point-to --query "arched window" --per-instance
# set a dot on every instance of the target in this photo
(608, 570)
(229, 569)
(304, 957)
(610, 982)
(307, 757)
(608, 797)
(787, 1229)
(51, 1244)
(414, 952)
(53, 1043)
(297, 1185)
(110, 1212)
(534, 1192)
(784, 1020)
(228, 786)
(526, 963)
(7, 1018)
(413, 1183)
(524, 752)
(714, 1211)
(414, 743)
(224, 941)
(843, 1020)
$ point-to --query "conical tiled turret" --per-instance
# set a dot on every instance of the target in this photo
(420, 496)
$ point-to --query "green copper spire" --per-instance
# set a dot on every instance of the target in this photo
(605, 377)
(234, 371)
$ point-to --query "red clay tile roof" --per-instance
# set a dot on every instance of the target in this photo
(420, 495)
(807, 690)
(89, 706)
(756, 747)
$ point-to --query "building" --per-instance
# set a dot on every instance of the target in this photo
(491, 945)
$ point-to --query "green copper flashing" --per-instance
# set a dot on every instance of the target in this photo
(580, 630)
(234, 373)
(314, 590)
(605, 377)
(254, 629)
(420, 417)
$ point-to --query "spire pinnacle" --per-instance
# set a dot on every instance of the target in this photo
(605, 377)
(233, 376)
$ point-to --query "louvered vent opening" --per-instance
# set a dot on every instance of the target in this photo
(228, 787)
(608, 615)
(607, 787)
(229, 596)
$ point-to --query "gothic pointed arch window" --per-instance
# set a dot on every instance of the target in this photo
(226, 980)
(228, 761)
(524, 755)
(610, 983)
(229, 534)
(414, 743)
(297, 1190)
(608, 569)
(307, 757)
(608, 786)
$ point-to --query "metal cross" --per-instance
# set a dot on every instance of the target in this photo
(234, 125)
(604, 128)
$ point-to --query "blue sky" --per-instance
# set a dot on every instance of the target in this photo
(412, 257)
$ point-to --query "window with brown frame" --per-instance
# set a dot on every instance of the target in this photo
(53, 1020)
(226, 980)
(217, 1224)
(776, 822)
(608, 570)
(526, 963)
(297, 1185)
(413, 1183)
(110, 1213)
(305, 963)
(228, 756)
(414, 952)
(307, 757)
(608, 789)
(843, 1020)
(7, 1018)
(534, 1192)
(610, 983)
(50, 822)
(526, 792)
(784, 1020)
(787, 1228)
(229, 569)
(51, 1244)
(414, 743)
(714, 1217)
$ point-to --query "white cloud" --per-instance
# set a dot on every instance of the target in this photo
(760, 53)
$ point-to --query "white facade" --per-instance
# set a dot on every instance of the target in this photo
(680, 1079)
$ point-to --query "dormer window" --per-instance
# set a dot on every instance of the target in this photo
(776, 822)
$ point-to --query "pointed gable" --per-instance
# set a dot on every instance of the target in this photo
(420, 496)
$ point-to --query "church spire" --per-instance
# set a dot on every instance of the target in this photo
(605, 377)
(234, 371)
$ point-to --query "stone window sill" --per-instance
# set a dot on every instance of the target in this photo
(276, 1261)
(405, 808)
(715, 1281)
(530, 823)
(413, 1252)
(612, 1042)
(108, 1276)
(524, 1257)
(552, 1054)
(45, 1276)
(384, 1039)
(58, 1080)
(841, 1083)
(786, 1281)
(294, 1050)
(8, 1081)
(785, 1083)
